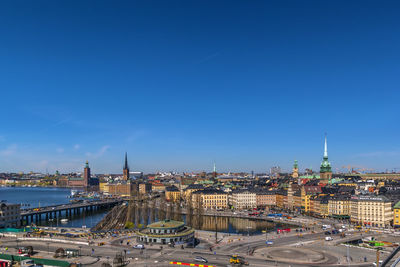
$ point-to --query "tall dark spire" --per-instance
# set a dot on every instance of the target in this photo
(126, 168)
(126, 161)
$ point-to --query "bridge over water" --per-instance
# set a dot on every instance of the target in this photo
(49, 212)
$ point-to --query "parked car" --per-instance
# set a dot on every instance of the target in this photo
(138, 246)
(328, 233)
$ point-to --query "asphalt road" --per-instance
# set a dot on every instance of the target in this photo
(219, 257)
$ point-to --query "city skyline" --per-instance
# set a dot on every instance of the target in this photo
(249, 87)
(324, 165)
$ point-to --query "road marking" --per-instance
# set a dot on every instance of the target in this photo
(190, 264)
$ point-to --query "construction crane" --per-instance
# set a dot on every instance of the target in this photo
(395, 169)
(357, 169)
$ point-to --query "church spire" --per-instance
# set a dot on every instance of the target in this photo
(326, 169)
(126, 161)
(126, 168)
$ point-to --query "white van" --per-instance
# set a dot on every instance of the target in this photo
(326, 227)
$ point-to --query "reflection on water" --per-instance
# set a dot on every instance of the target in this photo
(142, 217)
(144, 214)
(234, 225)
(88, 219)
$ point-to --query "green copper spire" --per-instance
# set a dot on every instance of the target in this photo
(325, 165)
(296, 165)
(87, 164)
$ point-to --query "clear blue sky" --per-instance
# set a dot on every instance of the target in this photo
(181, 84)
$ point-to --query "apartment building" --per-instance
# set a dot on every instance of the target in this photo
(187, 192)
(339, 207)
(265, 199)
(10, 215)
(297, 206)
(281, 198)
(210, 199)
(172, 194)
(290, 199)
(396, 215)
(306, 193)
(243, 199)
(371, 210)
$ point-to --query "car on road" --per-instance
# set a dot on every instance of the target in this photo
(138, 246)
(334, 232)
(326, 226)
(328, 238)
(235, 259)
(200, 259)
(380, 263)
(269, 242)
(328, 233)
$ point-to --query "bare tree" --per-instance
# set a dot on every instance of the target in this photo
(178, 212)
(145, 212)
(162, 209)
(199, 211)
(189, 211)
(170, 207)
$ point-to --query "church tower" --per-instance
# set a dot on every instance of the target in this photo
(215, 171)
(86, 175)
(126, 168)
(295, 173)
(325, 169)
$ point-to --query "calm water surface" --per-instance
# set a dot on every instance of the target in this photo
(33, 197)
(43, 196)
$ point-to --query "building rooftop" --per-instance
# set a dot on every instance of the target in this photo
(166, 224)
(370, 198)
(194, 186)
(172, 188)
(210, 191)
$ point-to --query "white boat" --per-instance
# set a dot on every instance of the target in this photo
(73, 192)
(64, 220)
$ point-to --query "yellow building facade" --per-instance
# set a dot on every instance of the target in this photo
(210, 199)
(371, 210)
(396, 215)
